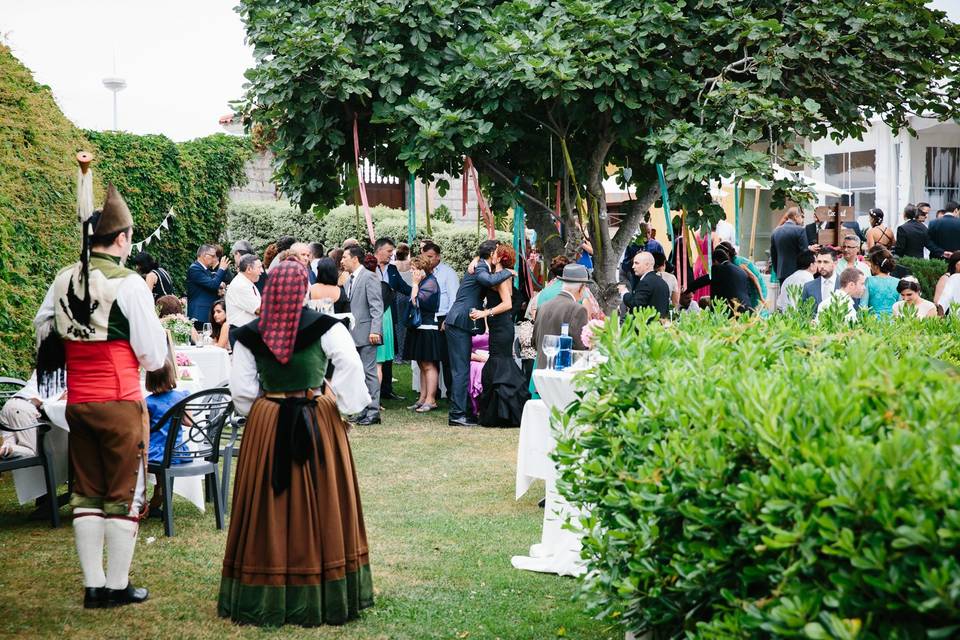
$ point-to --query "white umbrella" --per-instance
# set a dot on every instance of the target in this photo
(779, 173)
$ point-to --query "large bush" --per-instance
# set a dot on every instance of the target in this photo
(38, 229)
(754, 479)
(263, 222)
(155, 174)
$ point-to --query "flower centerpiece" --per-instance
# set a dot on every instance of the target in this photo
(179, 326)
(586, 335)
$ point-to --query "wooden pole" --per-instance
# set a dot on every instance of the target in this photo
(753, 224)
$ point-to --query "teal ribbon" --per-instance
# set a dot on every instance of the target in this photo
(666, 200)
(412, 211)
(519, 224)
(736, 210)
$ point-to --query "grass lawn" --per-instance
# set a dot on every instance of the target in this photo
(441, 521)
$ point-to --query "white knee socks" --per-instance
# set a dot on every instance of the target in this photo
(88, 528)
(121, 536)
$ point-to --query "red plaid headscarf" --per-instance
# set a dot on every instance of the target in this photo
(281, 307)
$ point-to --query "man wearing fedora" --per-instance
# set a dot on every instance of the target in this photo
(563, 310)
(98, 323)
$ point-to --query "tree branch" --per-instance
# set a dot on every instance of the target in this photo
(630, 224)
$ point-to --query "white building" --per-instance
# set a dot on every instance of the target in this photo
(890, 171)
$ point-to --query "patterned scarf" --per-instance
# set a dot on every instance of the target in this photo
(281, 307)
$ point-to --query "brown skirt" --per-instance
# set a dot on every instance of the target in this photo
(301, 556)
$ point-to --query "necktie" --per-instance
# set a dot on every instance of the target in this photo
(350, 286)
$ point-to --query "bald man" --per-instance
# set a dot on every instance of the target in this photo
(649, 290)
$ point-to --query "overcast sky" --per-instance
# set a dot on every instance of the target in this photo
(183, 60)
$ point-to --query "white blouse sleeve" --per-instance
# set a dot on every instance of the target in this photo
(348, 383)
(148, 339)
(244, 379)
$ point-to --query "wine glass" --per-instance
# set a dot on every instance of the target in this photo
(326, 305)
(207, 334)
(476, 329)
(551, 347)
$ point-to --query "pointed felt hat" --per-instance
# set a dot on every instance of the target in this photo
(114, 215)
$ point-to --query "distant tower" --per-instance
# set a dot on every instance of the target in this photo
(116, 85)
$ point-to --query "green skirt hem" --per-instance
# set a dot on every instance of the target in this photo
(334, 602)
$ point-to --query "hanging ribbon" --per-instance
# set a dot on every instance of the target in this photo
(481, 201)
(467, 166)
(736, 212)
(666, 200)
(412, 211)
(519, 224)
(164, 224)
(557, 214)
(361, 186)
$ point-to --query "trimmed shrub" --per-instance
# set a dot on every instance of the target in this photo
(155, 174)
(39, 233)
(755, 479)
(927, 272)
(263, 222)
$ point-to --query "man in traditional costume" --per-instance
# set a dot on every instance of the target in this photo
(297, 546)
(98, 321)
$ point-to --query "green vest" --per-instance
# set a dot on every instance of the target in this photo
(305, 370)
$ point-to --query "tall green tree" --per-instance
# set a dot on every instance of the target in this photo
(707, 88)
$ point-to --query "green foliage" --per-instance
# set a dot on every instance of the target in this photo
(155, 174)
(263, 222)
(442, 213)
(754, 479)
(708, 89)
(38, 229)
(927, 272)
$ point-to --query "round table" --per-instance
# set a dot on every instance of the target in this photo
(213, 363)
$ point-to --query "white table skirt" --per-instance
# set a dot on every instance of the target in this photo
(213, 363)
(559, 548)
(29, 482)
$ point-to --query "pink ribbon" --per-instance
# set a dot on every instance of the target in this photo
(361, 186)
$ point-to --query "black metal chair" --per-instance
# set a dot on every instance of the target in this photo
(201, 417)
(8, 388)
(228, 452)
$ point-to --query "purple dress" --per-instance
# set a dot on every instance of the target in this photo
(480, 342)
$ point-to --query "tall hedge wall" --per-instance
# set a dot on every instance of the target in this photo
(38, 234)
(154, 174)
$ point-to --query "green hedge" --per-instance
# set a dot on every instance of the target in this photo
(263, 222)
(927, 272)
(757, 479)
(155, 174)
(38, 228)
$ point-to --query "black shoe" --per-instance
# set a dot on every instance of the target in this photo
(543, 503)
(393, 396)
(130, 595)
(368, 420)
(461, 422)
(94, 597)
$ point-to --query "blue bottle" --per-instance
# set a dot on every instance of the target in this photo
(565, 354)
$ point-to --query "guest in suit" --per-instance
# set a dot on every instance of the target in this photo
(203, 285)
(730, 282)
(819, 289)
(565, 310)
(388, 274)
(459, 327)
(787, 242)
(366, 305)
(649, 290)
(912, 236)
(813, 229)
(945, 232)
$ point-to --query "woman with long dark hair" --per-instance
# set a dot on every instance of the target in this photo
(158, 280)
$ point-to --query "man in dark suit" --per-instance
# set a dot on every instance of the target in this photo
(912, 235)
(819, 288)
(203, 283)
(649, 289)
(945, 232)
(458, 327)
(787, 242)
(565, 310)
(366, 305)
(729, 282)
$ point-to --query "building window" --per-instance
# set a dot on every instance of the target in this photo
(942, 182)
(855, 171)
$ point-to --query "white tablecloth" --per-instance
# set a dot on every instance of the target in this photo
(29, 482)
(213, 362)
(559, 549)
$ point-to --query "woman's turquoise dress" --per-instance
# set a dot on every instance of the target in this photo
(880, 295)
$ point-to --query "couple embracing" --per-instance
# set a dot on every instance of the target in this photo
(486, 294)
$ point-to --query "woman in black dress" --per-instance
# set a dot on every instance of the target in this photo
(504, 387)
(158, 280)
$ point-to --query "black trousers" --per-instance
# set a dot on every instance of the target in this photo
(445, 363)
(386, 383)
(458, 352)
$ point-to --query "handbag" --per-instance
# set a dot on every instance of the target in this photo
(414, 319)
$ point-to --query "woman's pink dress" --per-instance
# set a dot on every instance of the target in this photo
(700, 266)
(478, 343)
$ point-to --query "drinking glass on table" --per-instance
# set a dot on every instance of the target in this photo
(551, 347)
(207, 334)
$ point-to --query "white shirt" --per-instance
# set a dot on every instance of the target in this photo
(951, 292)
(827, 287)
(243, 300)
(841, 297)
(671, 281)
(726, 231)
(449, 284)
(797, 278)
(348, 378)
(148, 339)
(923, 309)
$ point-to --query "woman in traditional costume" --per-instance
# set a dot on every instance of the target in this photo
(297, 547)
